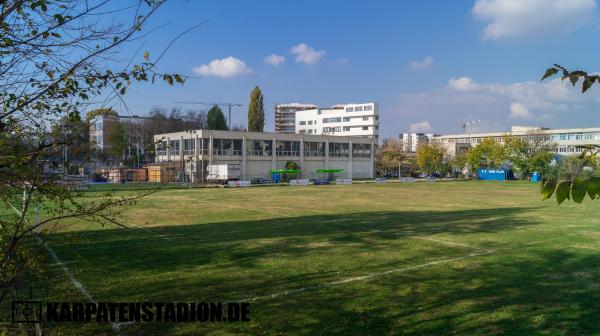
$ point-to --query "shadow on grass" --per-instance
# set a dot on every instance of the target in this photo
(226, 261)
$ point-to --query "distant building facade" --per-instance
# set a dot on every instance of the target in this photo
(345, 120)
(285, 116)
(102, 128)
(560, 141)
(411, 141)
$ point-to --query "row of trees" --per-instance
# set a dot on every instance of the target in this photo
(130, 139)
(514, 153)
(520, 156)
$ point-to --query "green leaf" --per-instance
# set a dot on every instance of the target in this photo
(587, 83)
(578, 190)
(146, 55)
(550, 72)
(562, 191)
(573, 79)
(547, 189)
(593, 187)
(178, 79)
(59, 18)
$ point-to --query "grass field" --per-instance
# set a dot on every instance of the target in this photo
(378, 259)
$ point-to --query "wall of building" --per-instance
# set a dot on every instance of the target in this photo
(561, 141)
(285, 116)
(358, 165)
(345, 120)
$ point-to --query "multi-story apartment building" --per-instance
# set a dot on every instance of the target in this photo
(102, 127)
(285, 116)
(411, 141)
(560, 141)
(347, 120)
(258, 153)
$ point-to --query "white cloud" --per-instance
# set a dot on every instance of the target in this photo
(464, 84)
(519, 111)
(274, 59)
(529, 18)
(420, 127)
(306, 54)
(224, 68)
(339, 61)
(424, 64)
(551, 103)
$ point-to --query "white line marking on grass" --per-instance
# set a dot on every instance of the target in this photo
(69, 274)
(446, 242)
(367, 277)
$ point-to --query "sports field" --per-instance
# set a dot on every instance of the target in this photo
(378, 259)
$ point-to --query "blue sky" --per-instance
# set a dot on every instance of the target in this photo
(431, 65)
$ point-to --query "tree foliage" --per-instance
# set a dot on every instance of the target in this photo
(487, 154)
(430, 158)
(215, 119)
(588, 80)
(516, 153)
(389, 156)
(56, 64)
(256, 112)
(568, 187)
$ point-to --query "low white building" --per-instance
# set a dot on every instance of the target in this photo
(560, 141)
(258, 153)
(346, 120)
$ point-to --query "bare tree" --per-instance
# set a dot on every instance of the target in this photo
(57, 60)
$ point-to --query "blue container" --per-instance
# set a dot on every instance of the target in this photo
(536, 177)
(276, 177)
(491, 174)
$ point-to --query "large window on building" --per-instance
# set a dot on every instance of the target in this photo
(174, 146)
(203, 146)
(259, 147)
(230, 147)
(361, 150)
(337, 149)
(188, 146)
(314, 149)
(288, 148)
(332, 120)
(161, 148)
(332, 129)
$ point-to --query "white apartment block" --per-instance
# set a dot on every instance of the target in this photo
(560, 141)
(411, 141)
(285, 116)
(346, 120)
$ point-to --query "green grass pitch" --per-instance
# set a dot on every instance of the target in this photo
(378, 259)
